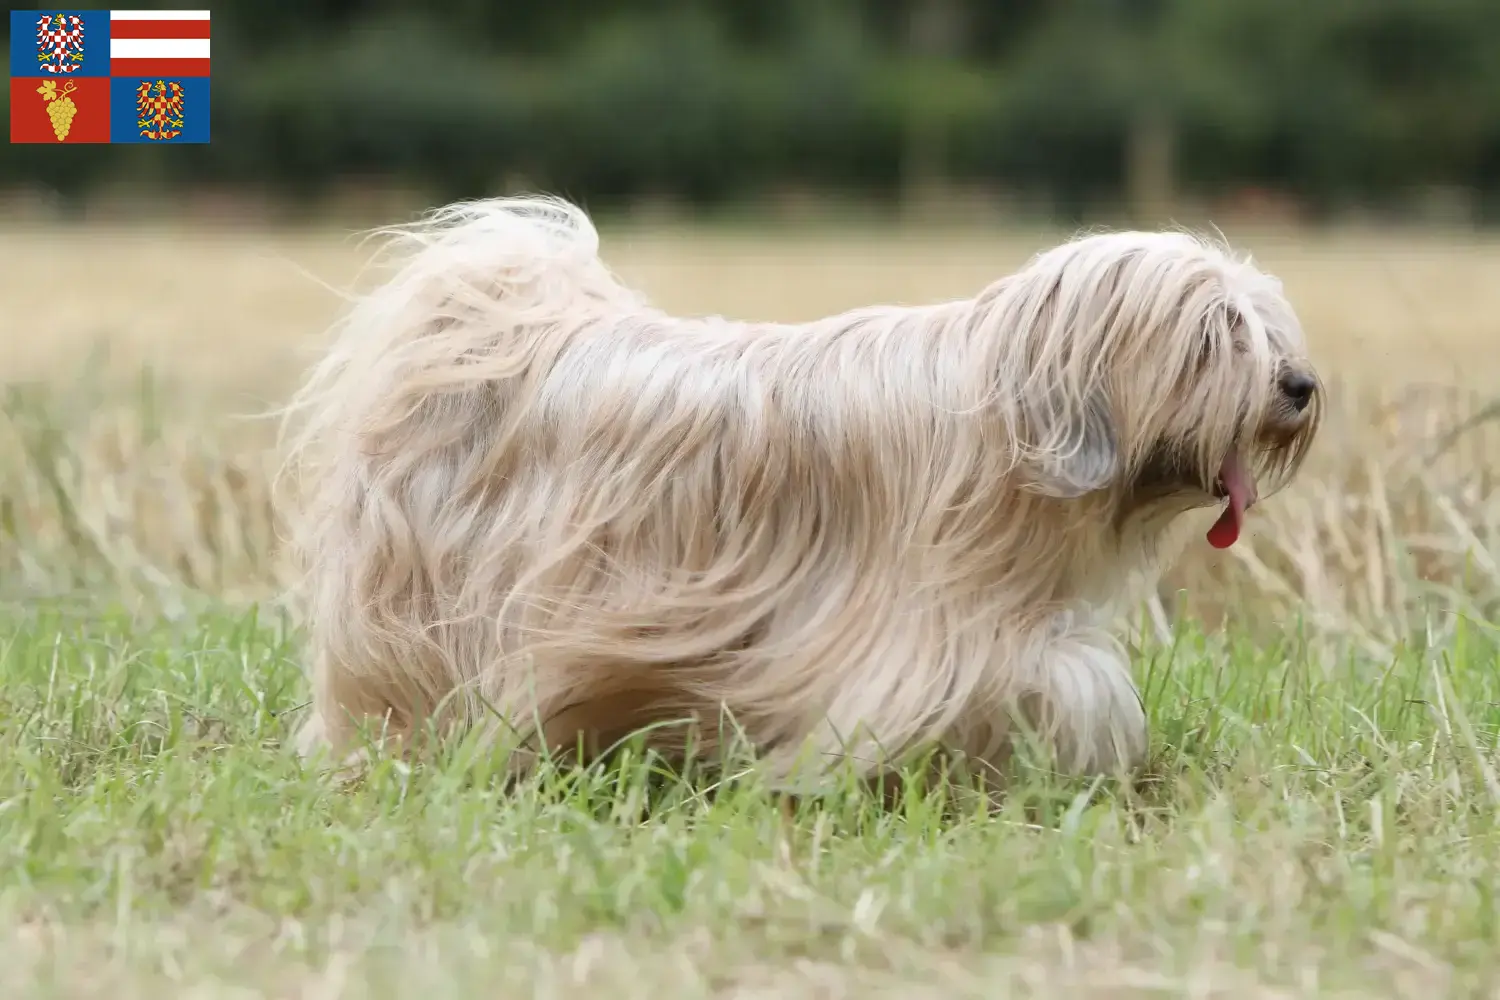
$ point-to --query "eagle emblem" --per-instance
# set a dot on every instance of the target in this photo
(158, 109)
(59, 43)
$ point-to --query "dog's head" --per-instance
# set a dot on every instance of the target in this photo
(1158, 371)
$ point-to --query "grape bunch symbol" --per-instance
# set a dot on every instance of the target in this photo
(60, 107)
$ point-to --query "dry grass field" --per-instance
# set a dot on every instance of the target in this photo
(1319, 818)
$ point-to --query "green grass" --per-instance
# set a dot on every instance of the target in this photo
(1312, 824)
(1319, 818)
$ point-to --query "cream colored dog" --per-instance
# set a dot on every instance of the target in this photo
(531, 501)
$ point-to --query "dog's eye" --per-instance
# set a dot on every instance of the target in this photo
(1224, 336)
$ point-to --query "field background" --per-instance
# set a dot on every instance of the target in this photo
(238, 308)
(1318, 819)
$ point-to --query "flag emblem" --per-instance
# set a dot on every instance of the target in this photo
(110, 76)
(59, 43)
(158, 108)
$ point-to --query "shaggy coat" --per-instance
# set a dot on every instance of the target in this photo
(529, 500)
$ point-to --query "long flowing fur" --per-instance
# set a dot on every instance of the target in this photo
(529, 499)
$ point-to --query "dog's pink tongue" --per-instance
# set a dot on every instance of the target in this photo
(1240, 486)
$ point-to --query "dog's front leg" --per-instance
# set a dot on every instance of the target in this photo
(1083, 703)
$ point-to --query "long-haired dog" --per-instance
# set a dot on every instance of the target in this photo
(531, 501)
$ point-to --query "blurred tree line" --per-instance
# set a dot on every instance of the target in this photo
(1332, 102)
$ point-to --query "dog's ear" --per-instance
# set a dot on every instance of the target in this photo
(1080, 450)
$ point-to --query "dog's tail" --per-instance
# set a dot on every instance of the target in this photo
(527, 254)
(480, 291)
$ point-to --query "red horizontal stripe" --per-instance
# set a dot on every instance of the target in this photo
(158, 67)
(158, 29)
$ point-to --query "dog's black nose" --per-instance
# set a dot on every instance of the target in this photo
(1298, 388)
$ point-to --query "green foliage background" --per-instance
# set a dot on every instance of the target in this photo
(1330, 101)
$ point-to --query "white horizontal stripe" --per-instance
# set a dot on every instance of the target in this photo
(158, 15)
(158, 48)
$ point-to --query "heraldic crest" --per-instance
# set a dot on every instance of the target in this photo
(59, 42)
(158, 108)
